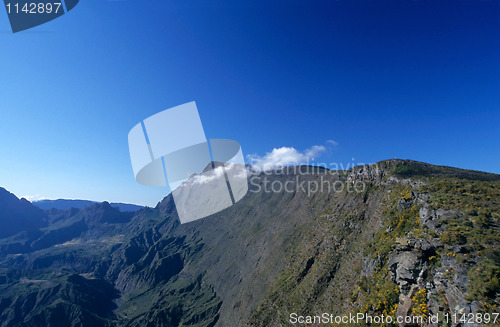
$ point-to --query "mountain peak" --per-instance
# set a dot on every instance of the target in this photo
(18, 214)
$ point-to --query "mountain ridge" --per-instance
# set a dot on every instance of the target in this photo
(65, 204)
(273, 252)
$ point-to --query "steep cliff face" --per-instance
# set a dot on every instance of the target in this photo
(398, 237)
(420, 242)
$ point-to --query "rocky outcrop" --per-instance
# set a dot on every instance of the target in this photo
(412, 270)
(408, 262)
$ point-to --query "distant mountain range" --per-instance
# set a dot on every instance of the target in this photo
(65, 204)
(416, 240)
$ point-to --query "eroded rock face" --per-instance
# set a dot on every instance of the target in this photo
(432, 218)
(370, 173)
(406, 267)
(441, 287)
(445, 286)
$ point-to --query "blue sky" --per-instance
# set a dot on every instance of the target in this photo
(383, 79)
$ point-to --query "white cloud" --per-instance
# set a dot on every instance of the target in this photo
(332, 142)
(32, 198)
(208, 176)
(284, 156)
(231, 169)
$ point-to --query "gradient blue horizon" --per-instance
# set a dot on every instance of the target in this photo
(385, 79)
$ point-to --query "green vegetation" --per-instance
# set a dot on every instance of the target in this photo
(397, 223)
(419, 303)
(475, 226)
(409, 170)
(485, 283)
(380, 295)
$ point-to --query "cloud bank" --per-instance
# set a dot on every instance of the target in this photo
(32, 198)
(284, 156)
